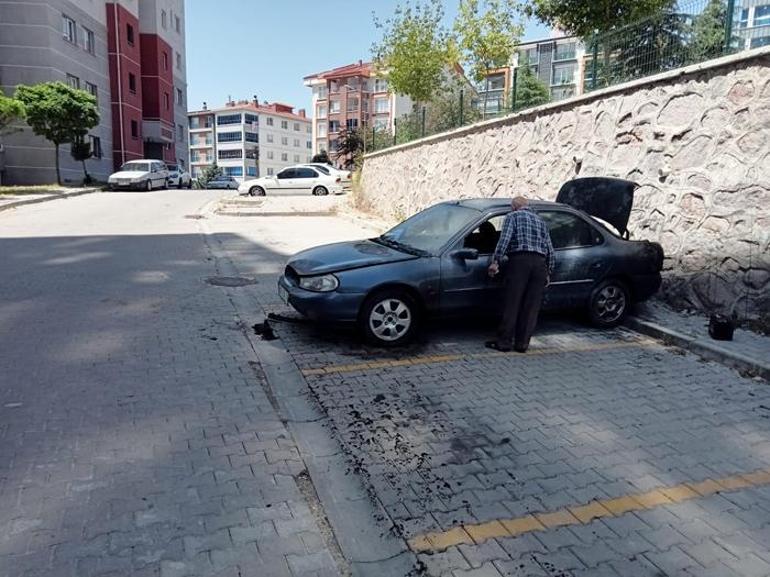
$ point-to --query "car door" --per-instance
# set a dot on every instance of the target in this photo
(581, 258)
(466, 287)
(284, 181)
(305, 178)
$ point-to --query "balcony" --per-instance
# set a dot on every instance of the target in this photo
(199, 144)
(159, 131)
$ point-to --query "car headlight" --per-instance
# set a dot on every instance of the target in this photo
(322, 284)
(139, 179)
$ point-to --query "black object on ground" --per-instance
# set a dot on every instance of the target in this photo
(286, 319)
(265, 331)
(230, 281)
(721, 328)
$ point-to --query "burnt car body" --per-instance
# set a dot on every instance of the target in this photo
(434, 264)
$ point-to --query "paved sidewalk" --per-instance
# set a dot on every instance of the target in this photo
(9, 201)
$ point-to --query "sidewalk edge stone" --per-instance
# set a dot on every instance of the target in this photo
(65, 195)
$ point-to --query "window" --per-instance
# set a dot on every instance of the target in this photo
(134, 129)
(284, 157)
(334, 106)
(303, 172)
(229, 154)
(285, 124)
(269, 121)
(92, 90)
(309, 129)
(334, 126)
(163, 19)
(562, 92)
(252, 137)
(284, 141)
(309, 158)
(73, 81)
(89, 41)
(286, 173)
(165, 60)
(484, 238)
(352, 104)
(166, 100)
(322, 92)
(296, 158)
(252, 153)
(563, 74)
(381, 106)
(96, 146)
(380, 85)
(178, 61)
(296, 126)
(270, 138)
(743, 21)
(132, 83)
(179, 97)
(528, 57)
(322, 126)
(251, 171)
(569, 231)
(179, 133)
(762, 15)
(321, 146)
(233, 170)
(380, 124)
(321, 113)
(69, 29)
(270, 172)
(351, 124)
(251, 118)
(270, 155)
(130, 34)
(178, 24)
(309, 145)
(228, 119)
(229, 137)
(565, 51)
(759, 42)
(296, 142)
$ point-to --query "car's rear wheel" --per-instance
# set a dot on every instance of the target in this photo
(609, 303)
(320, 191)
(390, 318)
(256, 191)
(179, 184)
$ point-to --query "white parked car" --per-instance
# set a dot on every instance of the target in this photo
(178, 176)
(294, 180)
(140, 175)
(345, 175)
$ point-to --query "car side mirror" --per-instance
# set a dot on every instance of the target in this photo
(466, 254)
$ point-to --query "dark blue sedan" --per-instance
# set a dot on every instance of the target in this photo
(434, 264)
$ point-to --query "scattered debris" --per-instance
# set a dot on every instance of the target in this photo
(230, 281)
(195, 216)
(265, 331)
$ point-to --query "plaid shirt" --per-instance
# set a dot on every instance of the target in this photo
(525, 231)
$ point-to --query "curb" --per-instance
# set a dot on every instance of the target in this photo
(701, 347)
(65, 195)
(244, 213)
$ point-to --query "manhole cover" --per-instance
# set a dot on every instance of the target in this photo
(230, 281)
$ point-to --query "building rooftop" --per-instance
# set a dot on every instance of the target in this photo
(274, 108)
(359, 68)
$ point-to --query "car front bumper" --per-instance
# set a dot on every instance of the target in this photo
(332, 306)
(127, 185)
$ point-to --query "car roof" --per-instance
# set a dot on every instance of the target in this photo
(485, 204)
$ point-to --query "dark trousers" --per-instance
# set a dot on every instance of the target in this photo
(525, 278)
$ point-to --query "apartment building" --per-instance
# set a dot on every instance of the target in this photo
(248, 139)
(558, 62)
(130, 54)
(753, 23)
(349, 98)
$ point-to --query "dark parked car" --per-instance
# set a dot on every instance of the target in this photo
(434, 264)
(222, 182)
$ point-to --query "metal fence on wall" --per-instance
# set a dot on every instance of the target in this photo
(690, 32)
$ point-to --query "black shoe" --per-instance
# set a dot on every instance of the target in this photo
(520, 349)
(496, 346)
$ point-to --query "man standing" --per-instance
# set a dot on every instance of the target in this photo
(527, 244)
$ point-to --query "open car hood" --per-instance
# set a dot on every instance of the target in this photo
(344, 256)
(608, 199)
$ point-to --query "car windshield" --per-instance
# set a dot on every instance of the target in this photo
(171, 167)
(321, 168)
(429, 230)
(136, 166)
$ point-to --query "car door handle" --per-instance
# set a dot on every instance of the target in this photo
(597, 265)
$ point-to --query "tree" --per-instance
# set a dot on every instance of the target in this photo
(414, 50)
(80, 150)
(209, 173)
(708, 32)
(444, 112)
(530, 90)
(59, 113)
(11, 110)
(322, 157)
(350, 146)
(487, 33)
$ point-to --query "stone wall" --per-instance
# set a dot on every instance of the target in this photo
(697, 141)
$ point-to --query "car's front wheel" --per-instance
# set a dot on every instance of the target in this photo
(390, 318)
(320, 191)
(256, 191)
(609, 303)
(148, 186)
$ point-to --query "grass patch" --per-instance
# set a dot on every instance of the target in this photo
(32, 189)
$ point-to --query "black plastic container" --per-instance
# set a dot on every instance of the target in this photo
(721, 328)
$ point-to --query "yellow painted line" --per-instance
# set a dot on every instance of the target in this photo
(584, 514)
(432, 359)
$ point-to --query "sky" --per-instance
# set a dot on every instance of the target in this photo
(239, 48)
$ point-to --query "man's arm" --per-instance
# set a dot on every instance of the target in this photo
(505, 239)
(550, 257)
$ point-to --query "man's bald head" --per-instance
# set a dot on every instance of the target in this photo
(519, 202)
